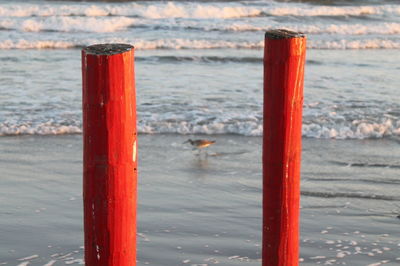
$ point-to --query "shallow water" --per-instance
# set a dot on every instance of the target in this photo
(204, 210)
(199, 64)
(348, 94)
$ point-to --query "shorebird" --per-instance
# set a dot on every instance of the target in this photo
(200, 143)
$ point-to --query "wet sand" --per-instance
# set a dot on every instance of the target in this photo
(204, 210)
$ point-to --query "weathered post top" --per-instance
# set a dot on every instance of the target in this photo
(283, 34)
(108, 48)
(281, 44)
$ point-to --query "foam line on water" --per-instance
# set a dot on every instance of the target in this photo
(381, 28)
(180, 43)
(68, 24)
(115, 24)
(198, 11)
(332, 11)
(240, 126)
(151, 11)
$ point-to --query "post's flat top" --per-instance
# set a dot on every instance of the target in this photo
(283, 34)
(108, 48)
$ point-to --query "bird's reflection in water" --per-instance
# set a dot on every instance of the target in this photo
(200, 162)
(200, 168)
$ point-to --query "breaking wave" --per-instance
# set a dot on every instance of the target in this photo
(197, 11)
(68, 24)
(157, 11)
(179, 43)
(343, 29)
(116, 24)
(239, 125)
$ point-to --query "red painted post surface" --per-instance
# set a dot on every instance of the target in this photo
(284, 57)
(110, 155)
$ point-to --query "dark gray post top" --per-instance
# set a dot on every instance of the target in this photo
(283, 34)
(108, 48)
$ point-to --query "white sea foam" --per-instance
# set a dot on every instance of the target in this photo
(68, 24)
(355, 44)
(179, 43)
(39, 129)
(363, 131)
(195, 44)
(311, 11)
(249, 127)
(114, 24)
(36, 26)
(25, 263)
(30, 257)
(344, 29)
(184, 10)
(172, 10)
(29, 10)
(139, 44)
(37, 44)
(356, 130)
(154, 11)
(50, 263)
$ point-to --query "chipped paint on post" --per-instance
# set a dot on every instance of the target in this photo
(134, 152)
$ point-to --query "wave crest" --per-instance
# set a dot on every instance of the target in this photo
(240, 125)
(68, 24)
(198, 11)
(179, 43)
(155, 11)
(343, 29)
(47, 128)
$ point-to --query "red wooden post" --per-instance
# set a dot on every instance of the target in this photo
(284, 57)
(110, 155)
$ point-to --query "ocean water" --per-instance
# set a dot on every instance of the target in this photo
(199, 64)
(199, 74)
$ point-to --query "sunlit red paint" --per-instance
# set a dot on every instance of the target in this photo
(110, 160)
(284, 57)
